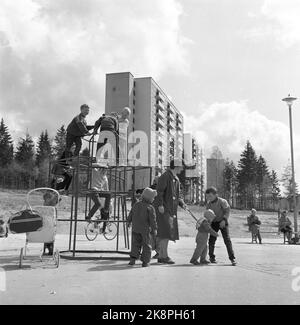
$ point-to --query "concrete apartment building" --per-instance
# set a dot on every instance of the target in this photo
(152, 112)
(194, 173)
(214, 174)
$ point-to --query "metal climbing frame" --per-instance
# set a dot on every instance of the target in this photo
(122, 185)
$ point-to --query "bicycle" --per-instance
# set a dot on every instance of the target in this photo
(95, 227)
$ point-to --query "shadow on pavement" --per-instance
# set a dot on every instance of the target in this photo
(263, 243)
(11, 263)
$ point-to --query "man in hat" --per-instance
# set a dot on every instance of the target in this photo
(166, 204)
(77, 129)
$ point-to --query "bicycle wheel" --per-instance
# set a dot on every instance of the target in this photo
(110, 231)
(91, 232)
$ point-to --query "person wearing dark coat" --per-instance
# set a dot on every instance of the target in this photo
(77, 129)
(166, 204)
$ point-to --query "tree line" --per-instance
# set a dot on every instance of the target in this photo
(252, 184)
(27, 165)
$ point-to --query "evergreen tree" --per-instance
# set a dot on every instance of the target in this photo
(44, 150)
(25, 171)
(59, 142)
(275, 186)
(287, 181)
(263, 181)
(44, 154)
(246, 176)
(6, 146)
(25, 152)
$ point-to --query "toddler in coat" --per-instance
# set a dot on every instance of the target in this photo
(204, 228)
(143, 219)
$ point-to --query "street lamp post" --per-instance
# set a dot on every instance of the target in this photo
(289, 100)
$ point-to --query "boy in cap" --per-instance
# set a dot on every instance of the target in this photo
(204, 228)
(143, 219)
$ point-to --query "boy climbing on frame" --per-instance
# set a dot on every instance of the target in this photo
(77, 129)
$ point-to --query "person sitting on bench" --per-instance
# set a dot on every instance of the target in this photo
(285, 226)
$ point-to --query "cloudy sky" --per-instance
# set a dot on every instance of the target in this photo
(225, 63)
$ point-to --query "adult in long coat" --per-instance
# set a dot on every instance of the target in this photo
(166, 204)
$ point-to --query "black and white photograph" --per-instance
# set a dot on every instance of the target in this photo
(149, 156)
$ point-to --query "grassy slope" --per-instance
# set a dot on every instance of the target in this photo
(13, 201)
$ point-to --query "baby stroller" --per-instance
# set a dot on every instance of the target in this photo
(38, 222)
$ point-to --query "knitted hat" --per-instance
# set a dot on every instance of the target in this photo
(149, 194)
(209, 215)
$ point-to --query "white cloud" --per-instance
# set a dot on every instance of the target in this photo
(281, 21)
(230, 125)
(54, 54)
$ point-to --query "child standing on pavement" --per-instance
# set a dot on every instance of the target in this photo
(204, 228)
(143, 219)
(254, 225)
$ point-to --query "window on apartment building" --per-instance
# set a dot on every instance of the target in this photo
(133, 111)
(134, 93)
(134, 102)
(133, 120)
(160, 143)
(134, 84)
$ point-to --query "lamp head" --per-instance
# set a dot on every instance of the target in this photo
(289, 100)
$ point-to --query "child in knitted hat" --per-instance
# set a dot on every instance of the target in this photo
(204, 228)
(143, 219)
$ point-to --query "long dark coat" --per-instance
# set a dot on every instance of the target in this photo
(168, 195)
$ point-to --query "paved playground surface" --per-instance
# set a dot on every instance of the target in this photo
(263, 276)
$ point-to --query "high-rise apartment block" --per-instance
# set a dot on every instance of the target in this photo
(152, 112)
(194, 172)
